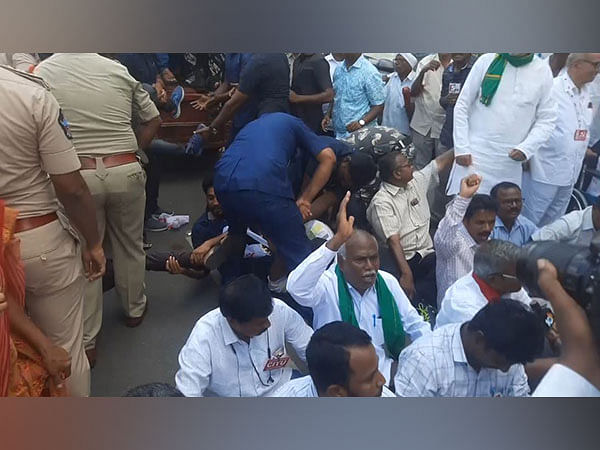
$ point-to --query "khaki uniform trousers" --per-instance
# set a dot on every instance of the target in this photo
(54, 294)
(119, 194)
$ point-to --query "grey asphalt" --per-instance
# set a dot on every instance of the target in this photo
(128, 357)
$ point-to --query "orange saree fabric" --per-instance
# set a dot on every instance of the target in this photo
(22, 373)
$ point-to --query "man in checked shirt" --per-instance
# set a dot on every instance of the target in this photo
(468, 222)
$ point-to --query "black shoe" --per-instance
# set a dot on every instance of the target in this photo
(158, 211)
(153, 224)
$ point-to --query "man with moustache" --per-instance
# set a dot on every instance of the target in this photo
(356, 292)
(342, 363)
(510, 224)
(468, 222)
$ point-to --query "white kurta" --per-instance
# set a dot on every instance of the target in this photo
(521, 115)
(558, 161)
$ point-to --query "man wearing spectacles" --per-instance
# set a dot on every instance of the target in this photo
(556, 166)
(510, 224)
(493, 276)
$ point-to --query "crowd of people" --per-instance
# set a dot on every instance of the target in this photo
(365, 226)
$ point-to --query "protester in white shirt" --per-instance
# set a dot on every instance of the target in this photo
(429, 116)
(400, 216)
(483, 357)
(468, 222)
(577, 227)
(355, 291)
(239, 349)
(342, 363)
(493, 277)
(396, 113)
(555, 168)
(493, 138)
(577, 373)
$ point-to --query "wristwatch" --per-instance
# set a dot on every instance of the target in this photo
(362, 123)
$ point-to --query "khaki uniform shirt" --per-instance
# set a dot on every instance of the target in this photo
(99, 99)
(33, 144)
(405, 211)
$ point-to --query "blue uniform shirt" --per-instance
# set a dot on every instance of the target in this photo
(259, 157)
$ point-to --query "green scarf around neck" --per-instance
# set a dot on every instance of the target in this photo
(492, 78)
(393, 328)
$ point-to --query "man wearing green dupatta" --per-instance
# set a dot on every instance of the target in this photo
(504, 114)
(355, 291)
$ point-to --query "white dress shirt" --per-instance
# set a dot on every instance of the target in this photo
(559, 160)
(577, 228)
(216, 362)
(311, 284)
(429, 114)
(464, 299)
(394, 112)
(436, 366)
(454, 246)
(304, 387)
(521, 115)
(562, 381)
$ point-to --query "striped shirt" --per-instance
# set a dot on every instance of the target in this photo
(454, 247)
(437, 366)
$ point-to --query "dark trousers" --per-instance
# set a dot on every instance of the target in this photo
(423, 270)
(230, 270)
(277, 218)
(158, 152)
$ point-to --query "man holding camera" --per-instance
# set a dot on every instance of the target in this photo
(577, 373)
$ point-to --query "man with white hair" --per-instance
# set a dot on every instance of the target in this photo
(504, 113)
(355, 291)
(556, 166)
(493, 276)
(398, 107)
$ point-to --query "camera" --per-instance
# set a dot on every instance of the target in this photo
(578, 272)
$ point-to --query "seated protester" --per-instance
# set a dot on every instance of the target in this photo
(376, 141)
(493, 277)
(510, 225)
(239, 348)
(208, 232)
(342, 362)
(468, 222)
(399, 214)
(483, 357)
(577, 227)
(355, 291)
(257, 192)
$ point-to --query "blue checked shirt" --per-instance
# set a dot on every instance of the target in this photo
(520, 234)
(357, 89)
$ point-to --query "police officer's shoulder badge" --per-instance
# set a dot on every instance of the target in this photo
(64, 125)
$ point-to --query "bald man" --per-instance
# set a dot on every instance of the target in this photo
(355, 291)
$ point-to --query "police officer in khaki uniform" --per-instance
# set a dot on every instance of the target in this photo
(101, 101)
(39, 168)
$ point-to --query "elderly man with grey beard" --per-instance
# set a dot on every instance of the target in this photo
(493, 277)
(355, 291)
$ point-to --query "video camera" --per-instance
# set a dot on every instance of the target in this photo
(578, 271)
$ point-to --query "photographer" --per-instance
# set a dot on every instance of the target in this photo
(577, 373)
